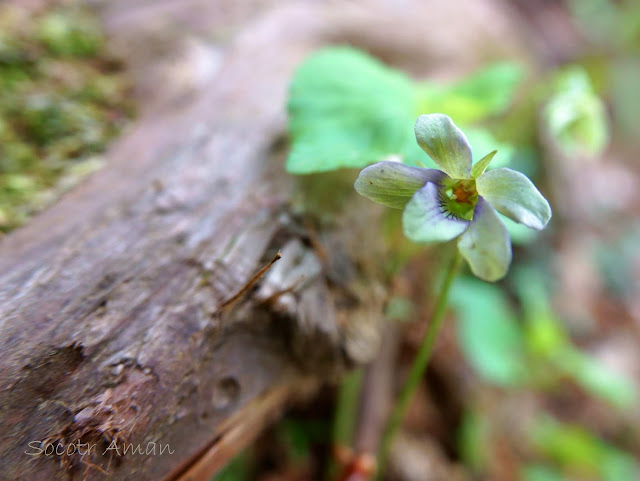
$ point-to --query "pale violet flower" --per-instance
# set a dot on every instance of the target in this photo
(458, 201)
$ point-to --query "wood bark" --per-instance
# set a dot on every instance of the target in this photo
(125, 314)
(116, 320)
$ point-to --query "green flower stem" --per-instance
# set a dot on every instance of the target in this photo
(345, 416)
(347, 408)
(418, 368)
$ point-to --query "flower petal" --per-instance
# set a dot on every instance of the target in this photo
(424, 218)
(392, 183)
(486, 245)
(515, 196)
(445, 143)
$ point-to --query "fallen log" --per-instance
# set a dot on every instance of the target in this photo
(129, 316)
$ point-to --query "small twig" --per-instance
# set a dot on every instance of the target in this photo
(360, 468)
(317, 246)
(375, 396)
(377, 393)
(243, 290)
(276, 295)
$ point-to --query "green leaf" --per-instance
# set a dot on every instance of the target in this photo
(238, 469)
(445, 143)
(478, 169)
(535, 472)
(519, 234)
(548, 341)
(392, 183)
(486, 245)
(484, 93)
(515, 196)
(423, 219)
(568, 445)
(474, 441)
(347, 109)
(597, 379)
(576, 117)
(488, 332)
(577, 449)
(482, 140)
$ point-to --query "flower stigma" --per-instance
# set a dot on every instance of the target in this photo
(460, 198)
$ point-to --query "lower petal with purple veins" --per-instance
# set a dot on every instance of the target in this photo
(426, 219)
(486, 245)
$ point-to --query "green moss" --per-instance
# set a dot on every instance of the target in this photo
(70, 33)
(62, 99)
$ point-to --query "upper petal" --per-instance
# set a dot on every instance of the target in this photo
(445, 143)
(486, 245)
(425, 220)
(392, 183)
(515, 196)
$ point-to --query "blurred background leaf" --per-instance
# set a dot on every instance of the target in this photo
(578, 452)
(576, 116)
(487, 331)
(552, 350)
(347, 109)
(536, 472)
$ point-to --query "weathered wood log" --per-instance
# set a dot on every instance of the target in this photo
(125, 315)
(116, 325)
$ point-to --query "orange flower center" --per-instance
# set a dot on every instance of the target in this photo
(463, 196)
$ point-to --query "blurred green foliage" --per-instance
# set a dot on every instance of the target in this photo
(617, 259)
(609, 23)
(613, 29)
(62, 98)
(289, 446)
(299, 435)
(551, 349)
(576, 116)
(472, 99)
(535, 472)
(347, 109)
(399, 309)
(488, 333)
(70, 34)
(579, 454)
(473, 436)
(237, 470)
(531, 349)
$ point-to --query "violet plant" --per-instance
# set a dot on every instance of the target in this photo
(459, 201)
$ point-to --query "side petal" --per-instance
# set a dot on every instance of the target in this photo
(486, 245)
(515, 196)
(445, 143)
(392, 183)
(425, 220)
